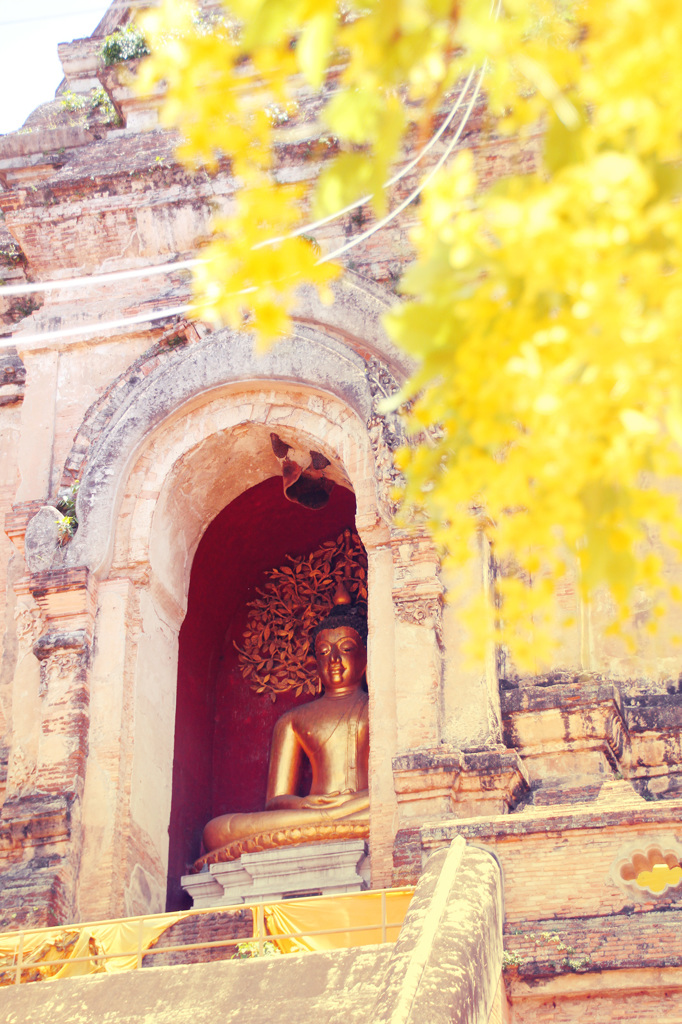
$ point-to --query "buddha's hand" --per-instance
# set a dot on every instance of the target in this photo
(335, 799)
(291, 802)
(342, 804)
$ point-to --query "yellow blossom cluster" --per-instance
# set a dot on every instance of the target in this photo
(543, 312)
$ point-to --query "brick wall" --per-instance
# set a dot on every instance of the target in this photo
(569, 921)
(652, 996)
(198, 928)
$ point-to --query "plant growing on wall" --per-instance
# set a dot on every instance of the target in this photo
(67, 524)
(248, 950)
(127, 43)
(542, 310)
(72, 101)
(100, 101)
(569, 960)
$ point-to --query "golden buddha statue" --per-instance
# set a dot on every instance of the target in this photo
(332, 731)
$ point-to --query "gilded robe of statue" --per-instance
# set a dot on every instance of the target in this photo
(333, 733)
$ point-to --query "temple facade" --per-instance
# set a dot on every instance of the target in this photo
(126, 716)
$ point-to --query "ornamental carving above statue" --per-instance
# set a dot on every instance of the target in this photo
(277, 654)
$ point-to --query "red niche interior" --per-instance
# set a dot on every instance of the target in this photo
(222, 729)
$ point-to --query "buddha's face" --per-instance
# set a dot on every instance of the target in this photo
(341, 659)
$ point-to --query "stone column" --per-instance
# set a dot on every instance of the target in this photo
(471, 694)
(417, 601)
(65, 716)
(381, 679)
(67, 604)
(40, 827)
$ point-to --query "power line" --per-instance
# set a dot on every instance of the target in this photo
(422, 184)
(41, 337)
(62, 16)
(38, 339)
(387, 184)
(86, 281)
(95, 279)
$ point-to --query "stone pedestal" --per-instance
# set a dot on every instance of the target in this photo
(572, 738)
(312, 869)
(433, 784)
(655, 726)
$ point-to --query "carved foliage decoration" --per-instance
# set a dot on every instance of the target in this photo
(61, 665)
(58, 674)
(276, 655)
(387, 434)
(29, 624)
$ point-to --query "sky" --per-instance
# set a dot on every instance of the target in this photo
(30, 71)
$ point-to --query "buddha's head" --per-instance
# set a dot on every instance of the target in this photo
(340, 644)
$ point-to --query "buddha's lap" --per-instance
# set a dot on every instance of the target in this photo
(227, 828)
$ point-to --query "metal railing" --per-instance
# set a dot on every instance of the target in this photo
(20, 964)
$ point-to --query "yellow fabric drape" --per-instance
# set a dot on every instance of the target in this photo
(80, 945)
(41, 948)
(340, 914)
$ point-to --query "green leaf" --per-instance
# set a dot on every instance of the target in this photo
(349, 177)
(356, 116)
(315, 47)
(563, 146)
(673, 418)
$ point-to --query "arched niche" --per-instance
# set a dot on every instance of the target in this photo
(192, 464)
(331, 350)
(223, 729)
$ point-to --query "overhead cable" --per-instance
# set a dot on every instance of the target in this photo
(38, 339)
(35, 340)
(63, 15)
(387, 184)
(122, 275)
(417, 191)
(95, 279)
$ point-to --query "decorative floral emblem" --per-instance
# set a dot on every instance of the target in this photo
(643, 869)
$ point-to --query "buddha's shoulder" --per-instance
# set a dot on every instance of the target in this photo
(321, 708)
(299, 713)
